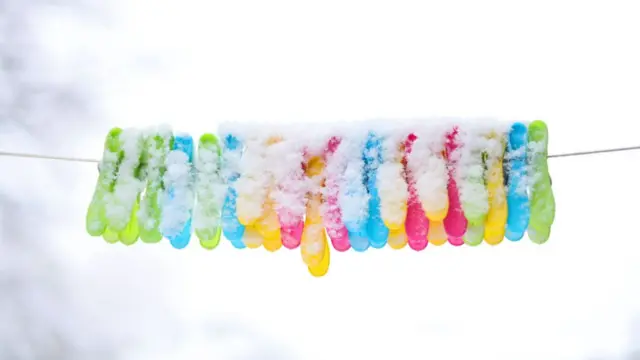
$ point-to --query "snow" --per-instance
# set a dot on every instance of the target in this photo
(119, 204)
(254, 181)
(392, 186)
(155, 168)
(179, 194)
(210, 189)
(285, 159)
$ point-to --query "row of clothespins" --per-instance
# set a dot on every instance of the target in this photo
(452, 183)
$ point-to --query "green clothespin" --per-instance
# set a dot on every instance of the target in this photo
(96, 220)
(210, 192)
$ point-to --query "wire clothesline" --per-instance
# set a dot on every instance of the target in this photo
(96, 161)
(47, 157)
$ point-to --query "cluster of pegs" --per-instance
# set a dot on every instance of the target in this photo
(317, 188)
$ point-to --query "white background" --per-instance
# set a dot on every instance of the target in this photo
(194, 64)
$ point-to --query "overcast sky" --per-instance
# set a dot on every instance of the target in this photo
(194, 64)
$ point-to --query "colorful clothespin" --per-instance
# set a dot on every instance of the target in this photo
(231, 227)
(377, 231)
(517, 194)
(416, 223)
(122, 208)
(496, 221)
(179, 193)
(353, 196)
(314, 241)
(472, 187)
(332, 214)
(96, 219)
(290, 191)
(455, 224)
(158, 143)
(393, 190)
(210, 192)
(268, 224)
(543, 205)
(428, 165)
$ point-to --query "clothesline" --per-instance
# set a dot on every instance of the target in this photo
(95, 161)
